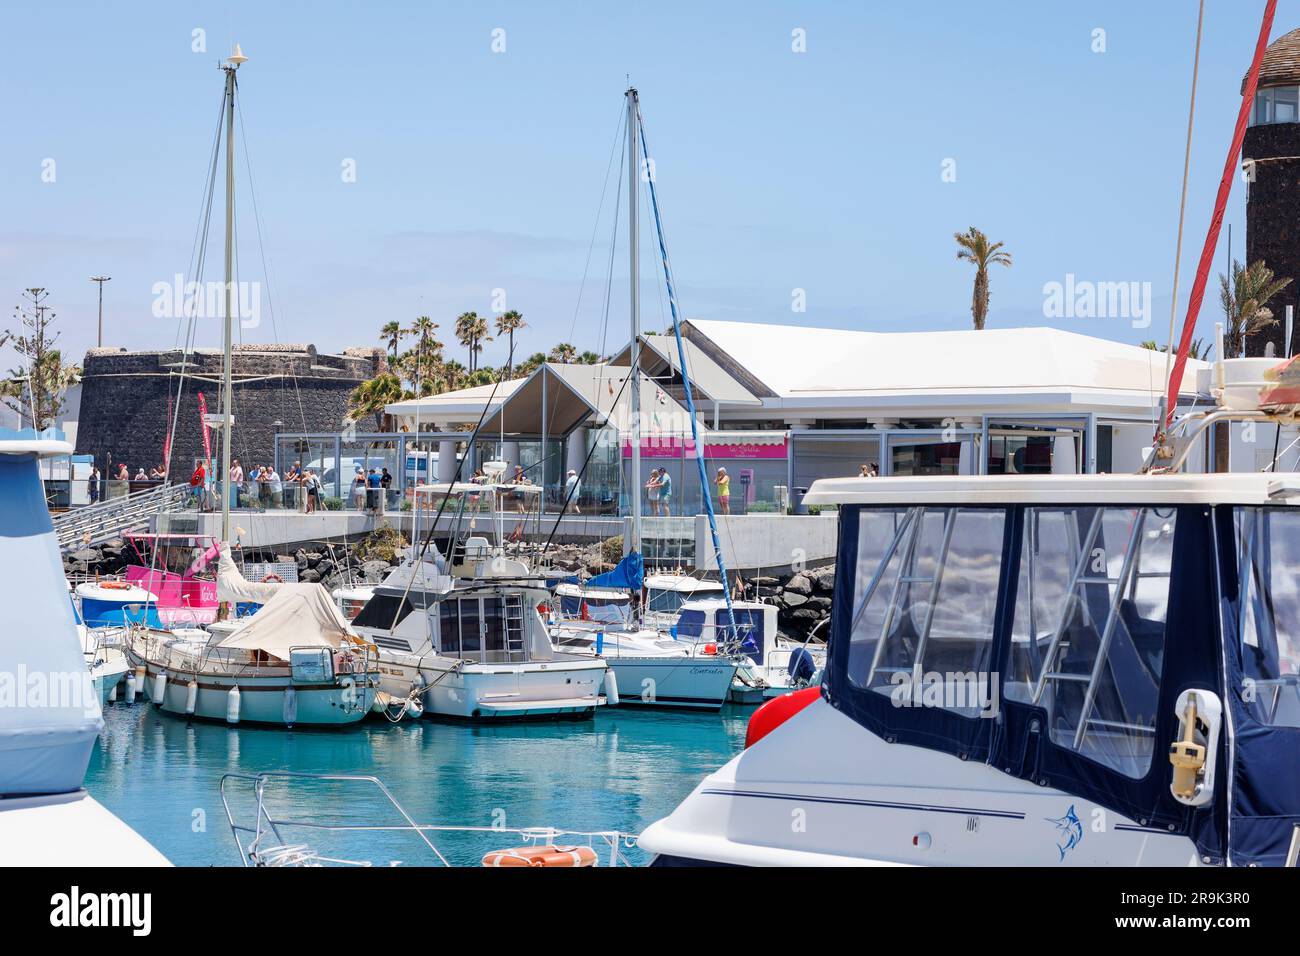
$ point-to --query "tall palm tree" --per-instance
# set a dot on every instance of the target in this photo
(507, 324)
(590, 358)
(974, 247)
(391, 334)
(1244, 303)
(472, 332)
(428, 350)
(563, 353)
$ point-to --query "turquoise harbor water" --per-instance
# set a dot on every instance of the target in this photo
(620, 771)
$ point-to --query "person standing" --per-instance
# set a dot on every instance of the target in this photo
(92, 484)
(386, 483)
(723, 484)
(372, 491)
(571, 488)
(198, 484)
(291, 480)
(665, 492)
(277, 488)
(236, 482)
(312, 485)
(652, 491)
(359, 489)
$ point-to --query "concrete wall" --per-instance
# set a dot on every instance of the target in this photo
(766, 541)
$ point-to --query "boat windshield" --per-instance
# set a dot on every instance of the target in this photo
(670, 600)
(605, 609)
(1268, 541)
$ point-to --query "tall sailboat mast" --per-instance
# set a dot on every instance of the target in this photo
(634, 282)
(227, 420)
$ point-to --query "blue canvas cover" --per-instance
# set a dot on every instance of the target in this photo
(628, 574)
(49, 711)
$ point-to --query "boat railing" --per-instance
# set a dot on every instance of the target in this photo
(277, 838)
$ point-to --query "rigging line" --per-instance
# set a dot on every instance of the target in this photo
(595, 226)
(205, 200)
(705, 495)
(570, 492)
(1216, 220)
(1182, 203)
(460, 465)
(609, 269)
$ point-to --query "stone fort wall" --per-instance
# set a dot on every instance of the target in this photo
(126, 396)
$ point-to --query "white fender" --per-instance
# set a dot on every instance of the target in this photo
(611, 688)
(232, 705)
(130, 687)
(290, 710)
(159, 687)
(191, 696)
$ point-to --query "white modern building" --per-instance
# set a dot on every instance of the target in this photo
(781, 406)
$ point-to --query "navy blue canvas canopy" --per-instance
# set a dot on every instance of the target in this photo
(628, 574)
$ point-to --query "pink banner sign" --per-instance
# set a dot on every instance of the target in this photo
(654, 447)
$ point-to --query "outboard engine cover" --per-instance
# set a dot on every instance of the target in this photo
(801, 667)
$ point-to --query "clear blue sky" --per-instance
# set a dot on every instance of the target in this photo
(479, 170)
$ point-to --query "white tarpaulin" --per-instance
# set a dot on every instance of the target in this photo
(233, 587)
(298, 615)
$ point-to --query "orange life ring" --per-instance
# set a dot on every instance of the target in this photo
(273, 578)
(115, 585)
(542, 856)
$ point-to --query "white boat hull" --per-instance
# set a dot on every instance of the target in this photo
(690, 683)
(891, 805)
(564, 687)
(263, 699)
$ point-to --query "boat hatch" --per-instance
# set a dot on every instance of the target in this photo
(1054, 641)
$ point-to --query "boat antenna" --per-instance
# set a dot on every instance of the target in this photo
(230, 68)
(1163, 450)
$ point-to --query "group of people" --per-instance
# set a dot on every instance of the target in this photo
(370, 490)
(659, 491)
(869, 470)
(298, 488)
(121, 474)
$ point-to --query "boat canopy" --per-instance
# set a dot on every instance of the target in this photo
(234, 588)
(49, 711)
(1052, 627)
(297, 615)
(628, 573)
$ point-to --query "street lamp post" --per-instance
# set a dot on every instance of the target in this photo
(101, 280)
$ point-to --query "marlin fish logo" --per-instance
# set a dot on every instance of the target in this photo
(1069, 831)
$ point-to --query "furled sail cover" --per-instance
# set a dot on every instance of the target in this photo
(49, 711)
(298, 615)
(628, 573)
(234, 588)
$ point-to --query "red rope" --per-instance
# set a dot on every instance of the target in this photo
(1216, 223)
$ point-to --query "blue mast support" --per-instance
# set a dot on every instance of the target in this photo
(686, 381)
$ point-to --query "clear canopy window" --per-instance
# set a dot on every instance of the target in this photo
(1268, 554)
(922, 631)
(1088, 634)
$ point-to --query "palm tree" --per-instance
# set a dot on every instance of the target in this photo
(373, 395)
(480, 376)
(974, 247)
(1196, 350)
(507, 324)
(1244, 303)
(453, 376)
(428, 351)
(472, 332)
(589, 358)
(564, 353)
(531, 364)
(391, 334)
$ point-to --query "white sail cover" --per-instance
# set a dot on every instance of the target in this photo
(298, 615)
(49, 711)
(234, 588)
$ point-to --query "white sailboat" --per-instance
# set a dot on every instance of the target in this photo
(295, 661)
(52, 717)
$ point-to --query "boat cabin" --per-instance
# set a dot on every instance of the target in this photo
(666, 593)
(1132, 641)
(706, 621)
(476, 624)
(600, 606)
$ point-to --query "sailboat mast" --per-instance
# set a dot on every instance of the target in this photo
(227, 404)
(634, 282)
